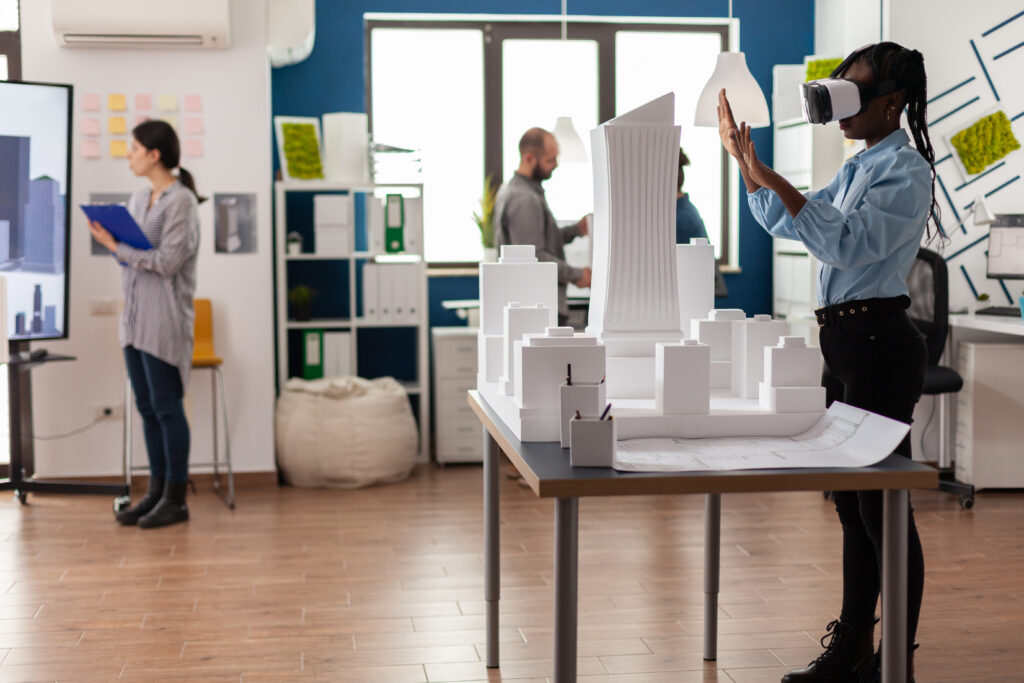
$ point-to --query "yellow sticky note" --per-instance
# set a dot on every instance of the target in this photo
(167, 103)
(118, 149)
(116, 124)
(116, 102)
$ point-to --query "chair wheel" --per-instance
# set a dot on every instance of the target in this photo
(966, 502)
(122, 503)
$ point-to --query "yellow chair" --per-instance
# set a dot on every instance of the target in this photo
(203, 356)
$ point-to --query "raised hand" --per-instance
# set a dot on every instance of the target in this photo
(759, 172)
(727, 129)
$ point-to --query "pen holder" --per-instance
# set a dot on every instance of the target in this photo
(586, 397)
(592, 441)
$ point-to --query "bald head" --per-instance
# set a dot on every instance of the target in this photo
(538, 154)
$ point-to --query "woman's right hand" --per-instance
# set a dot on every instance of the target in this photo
(727, 129)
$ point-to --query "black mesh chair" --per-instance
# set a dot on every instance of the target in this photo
(928, 284)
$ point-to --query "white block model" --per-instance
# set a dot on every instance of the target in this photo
(695, 277)
(792, 378)
(716, 332)
(541, 360)
(749, 337)
(518, 276)
(634, 300)
(682, 378)
(519, 320)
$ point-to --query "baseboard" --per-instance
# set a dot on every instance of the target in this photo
(242, 479)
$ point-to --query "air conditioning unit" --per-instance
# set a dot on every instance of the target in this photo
(142, 23)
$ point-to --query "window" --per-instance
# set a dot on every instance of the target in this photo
(525, 74)
(10, 67)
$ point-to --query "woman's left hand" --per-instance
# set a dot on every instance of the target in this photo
(760, 172)
(102, 235)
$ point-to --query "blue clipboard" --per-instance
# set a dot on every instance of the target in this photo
(118, 222)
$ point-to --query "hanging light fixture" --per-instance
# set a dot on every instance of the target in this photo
(570, 144)
(745, 97)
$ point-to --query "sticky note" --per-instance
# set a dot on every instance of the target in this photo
(116, 124)
(90, 102)
(140, 118)
(194, 148)
(118, 149)
(193, 102)
(167, 103)
(143, 102)
(90, 126)
(116, 102)
(172, 120)
(91, 149)
(194, 125)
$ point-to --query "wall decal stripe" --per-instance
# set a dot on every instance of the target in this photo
(1011, 180)
(1006, 52)
(1001, 24)
(949, 199)
(1007, 293)
(963, 185)
(1017, 116)
(950, 156)
(969, 283)
(946, 92)
(984, 70)
(963, 249)
(965, 104)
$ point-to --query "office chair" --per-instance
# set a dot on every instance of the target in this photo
(929, 311)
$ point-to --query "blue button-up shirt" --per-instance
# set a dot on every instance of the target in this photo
(865, 227)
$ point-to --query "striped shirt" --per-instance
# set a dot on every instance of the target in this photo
(159, 283)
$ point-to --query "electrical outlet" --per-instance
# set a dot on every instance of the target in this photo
(108, 412)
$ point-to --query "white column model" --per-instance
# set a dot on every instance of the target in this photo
(634, 302)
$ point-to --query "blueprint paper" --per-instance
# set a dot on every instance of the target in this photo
(844, 437)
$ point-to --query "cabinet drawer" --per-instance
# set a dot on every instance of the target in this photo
(455, 357)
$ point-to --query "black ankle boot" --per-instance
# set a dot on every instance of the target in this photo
(849, 649)
(170, 510)
(873, 668)
(131, 515)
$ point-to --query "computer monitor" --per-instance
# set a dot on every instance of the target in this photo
(1006, 247)
(35, 180)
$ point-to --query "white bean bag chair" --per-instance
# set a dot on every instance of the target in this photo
(345, 432)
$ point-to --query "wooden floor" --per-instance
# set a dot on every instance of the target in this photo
(386, 585)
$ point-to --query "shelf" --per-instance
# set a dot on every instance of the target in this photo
(319, 322)
(388, 258)
(336, 186)
(318, 257)
(382, 323)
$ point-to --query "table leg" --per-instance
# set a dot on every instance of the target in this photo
(566, 569)
(712, 563)
(894, 586)
(492, 538)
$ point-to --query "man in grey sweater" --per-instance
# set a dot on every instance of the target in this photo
(523, 216)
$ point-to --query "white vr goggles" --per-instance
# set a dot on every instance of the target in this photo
(833, 99)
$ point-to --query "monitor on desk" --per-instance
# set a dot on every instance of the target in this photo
(1006, 247)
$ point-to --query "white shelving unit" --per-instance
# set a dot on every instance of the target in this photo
(419, 389)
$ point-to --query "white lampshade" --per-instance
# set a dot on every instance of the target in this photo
(745, 96)
(570, 145)
(982, 213)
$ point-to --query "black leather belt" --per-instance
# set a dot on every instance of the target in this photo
(863, 308)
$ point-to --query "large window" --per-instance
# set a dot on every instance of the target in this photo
(475, 98)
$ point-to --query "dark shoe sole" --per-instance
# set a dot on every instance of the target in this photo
(177, 517)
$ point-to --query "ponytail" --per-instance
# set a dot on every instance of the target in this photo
(188, 181)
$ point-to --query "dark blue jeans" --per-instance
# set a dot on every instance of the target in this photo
(158, 393)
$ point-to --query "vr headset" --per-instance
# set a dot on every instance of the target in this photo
(833, 99)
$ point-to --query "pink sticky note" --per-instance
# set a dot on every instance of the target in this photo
(90, 102)
(91, 149)
(143, 102)
(193, 102)
(194, 148)
(194, 125)
(90, 126)
(140, 118)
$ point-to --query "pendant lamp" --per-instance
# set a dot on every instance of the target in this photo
(745, 97)
(570, 145)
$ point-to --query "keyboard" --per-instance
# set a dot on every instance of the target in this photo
(1009, 311)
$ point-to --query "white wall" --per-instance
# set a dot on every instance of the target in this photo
(235, 87)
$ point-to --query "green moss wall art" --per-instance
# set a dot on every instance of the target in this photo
(984, 142)
(821, 68)
(298, 147)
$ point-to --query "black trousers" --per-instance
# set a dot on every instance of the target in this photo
(874, 363)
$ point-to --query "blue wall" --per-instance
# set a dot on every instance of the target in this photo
(332, 79)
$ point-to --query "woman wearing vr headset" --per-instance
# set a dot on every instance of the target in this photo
(865, 229)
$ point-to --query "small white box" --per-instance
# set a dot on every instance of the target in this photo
(792, 364)
(332, 209)
(716, 332)
(721, 374)
(695, 280)
(749, 337)
(791, 399)
(519, 320)
(682, 378)
(332, 239)
(587, 398)
(591, 441)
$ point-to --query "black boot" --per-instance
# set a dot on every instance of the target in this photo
(848, 651)
(131, 515)
(170, 510)
(873, 668)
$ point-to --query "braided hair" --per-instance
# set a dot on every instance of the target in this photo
(893, 61)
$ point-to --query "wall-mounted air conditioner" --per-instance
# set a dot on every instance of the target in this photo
(142, 23)
(291, 30)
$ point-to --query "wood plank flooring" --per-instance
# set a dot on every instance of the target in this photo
(386, 585)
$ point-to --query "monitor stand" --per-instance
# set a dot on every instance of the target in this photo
(22, 467)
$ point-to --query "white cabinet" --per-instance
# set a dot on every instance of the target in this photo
(989, 429)
(458, 429)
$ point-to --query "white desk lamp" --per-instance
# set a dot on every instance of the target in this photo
(979, 208)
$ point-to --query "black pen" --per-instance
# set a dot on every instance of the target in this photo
(578, 416)
(609, 407)
(568, 374)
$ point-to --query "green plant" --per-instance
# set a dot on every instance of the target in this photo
(983, 296)
(821, 68)
(301, 299)
(984, 142)
(301, 150)
(485, 218)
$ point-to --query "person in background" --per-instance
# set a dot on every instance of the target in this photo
(689, 224)
(522, 215)
(157, 324)
(865, 228)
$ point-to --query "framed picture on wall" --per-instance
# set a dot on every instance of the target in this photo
(298, 147)
(981, 145)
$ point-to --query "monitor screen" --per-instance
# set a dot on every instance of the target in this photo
(35, 177)
(1006, 247)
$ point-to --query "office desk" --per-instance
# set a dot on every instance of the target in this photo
(545, 467)
(987, 323)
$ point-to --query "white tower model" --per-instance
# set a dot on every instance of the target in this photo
(634, 301)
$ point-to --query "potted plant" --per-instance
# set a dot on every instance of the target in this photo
(485, 219)
(301, 299)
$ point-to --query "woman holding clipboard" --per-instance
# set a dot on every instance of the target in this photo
(157, 324)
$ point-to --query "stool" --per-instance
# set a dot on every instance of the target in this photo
(203, 356)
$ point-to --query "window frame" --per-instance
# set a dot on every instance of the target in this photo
(496, 30)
